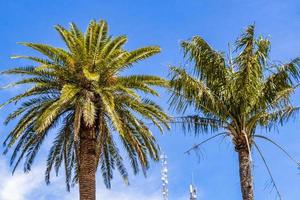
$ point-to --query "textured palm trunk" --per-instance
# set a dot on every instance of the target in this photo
(87, 164)
(246, 178)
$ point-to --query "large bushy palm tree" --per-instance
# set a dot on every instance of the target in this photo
(235, 95)
(80, 90)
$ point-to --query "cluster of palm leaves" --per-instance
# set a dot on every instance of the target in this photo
(80, 94)
(82, 86)
(235, 95)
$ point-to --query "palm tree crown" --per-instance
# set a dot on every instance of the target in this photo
(235, 95)
(81, 88)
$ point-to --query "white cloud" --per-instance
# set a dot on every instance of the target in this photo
(129, 194)
(31, 185)
(18, 186)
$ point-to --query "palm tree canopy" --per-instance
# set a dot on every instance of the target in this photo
(79, 85)
(236, 94)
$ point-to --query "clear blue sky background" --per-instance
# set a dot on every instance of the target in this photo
(164, 23)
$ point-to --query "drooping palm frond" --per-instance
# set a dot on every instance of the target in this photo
(236, 95)
(82, 84)
(243, 96)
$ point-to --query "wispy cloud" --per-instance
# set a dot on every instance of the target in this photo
(31, 185)
(18, 186)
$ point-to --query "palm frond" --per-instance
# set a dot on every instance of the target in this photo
(81, 86)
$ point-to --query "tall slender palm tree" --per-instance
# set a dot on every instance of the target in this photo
(80, 89)
(235, 95)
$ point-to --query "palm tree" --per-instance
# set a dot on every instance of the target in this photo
(235, 95)
(81, 91)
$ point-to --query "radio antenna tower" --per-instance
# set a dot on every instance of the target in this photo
(164, 176)
(193, 190)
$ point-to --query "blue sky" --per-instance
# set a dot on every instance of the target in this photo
(163, 23)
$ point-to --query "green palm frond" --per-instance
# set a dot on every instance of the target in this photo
(141, 54)
(81, 86)
(241, 99)
(238, 96)
(209, 64)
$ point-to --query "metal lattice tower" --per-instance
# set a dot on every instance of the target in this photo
(193, 192)
(164, 176)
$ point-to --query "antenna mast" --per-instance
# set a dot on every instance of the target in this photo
(164, 176)
(193, 192)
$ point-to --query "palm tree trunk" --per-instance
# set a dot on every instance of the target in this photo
(87, 164)
(246, 179)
